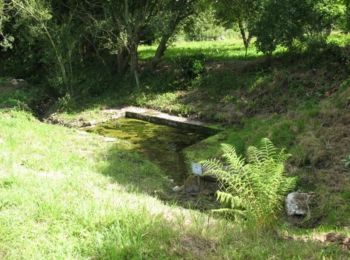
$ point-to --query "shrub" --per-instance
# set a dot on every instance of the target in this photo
(191, 67)
(252, 191)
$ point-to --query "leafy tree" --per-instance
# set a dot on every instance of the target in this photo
(129, 18)
(125, 23)
(203, 25)
(242, 13)
(5, 39)
(326, 15)
(57, 32)
(173, 14)
(284, 22)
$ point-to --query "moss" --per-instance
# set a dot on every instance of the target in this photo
(161, 144)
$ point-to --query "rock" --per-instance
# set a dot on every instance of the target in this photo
(178, 188)
(82, 123)
(209, 187)
(192, 185)
(297, 204)
(93, 122)
(346, 243)
(18, 82)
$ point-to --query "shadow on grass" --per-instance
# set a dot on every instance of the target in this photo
(151, 161)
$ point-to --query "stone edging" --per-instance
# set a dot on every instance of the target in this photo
(145, 114)
(157, 117)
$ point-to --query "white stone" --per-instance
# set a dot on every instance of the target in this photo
(197, 169)
(297, 204)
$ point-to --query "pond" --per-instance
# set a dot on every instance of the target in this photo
(161, 144)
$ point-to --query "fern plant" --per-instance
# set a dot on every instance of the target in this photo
(252, 190)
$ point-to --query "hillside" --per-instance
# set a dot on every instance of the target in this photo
(70, 194)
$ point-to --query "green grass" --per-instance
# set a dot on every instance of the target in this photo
(212, 50)
(59, 196)
(71, 195)
(292, 98)
(231, 83)
(68, 195)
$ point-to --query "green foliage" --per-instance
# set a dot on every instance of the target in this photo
(203, 26)
(6, 40)
(239, 13)
(190, 67)
(346, 161)
(287, 22)
(38, 26)
(253, 191)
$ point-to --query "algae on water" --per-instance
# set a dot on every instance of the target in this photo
(161, 144)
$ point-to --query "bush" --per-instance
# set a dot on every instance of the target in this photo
(253, 191)
(191, 67)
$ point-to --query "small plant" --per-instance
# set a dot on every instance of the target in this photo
(191, 66)
(252, 191)
(346, 161)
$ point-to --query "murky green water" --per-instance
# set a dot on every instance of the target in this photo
(161, 144)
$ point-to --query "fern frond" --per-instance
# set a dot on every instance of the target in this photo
(268, 150)
(253, 155)
(229, 200)
(216, 168)
(255, 190)
(235, 162)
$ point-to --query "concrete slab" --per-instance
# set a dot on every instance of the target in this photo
(157, 117)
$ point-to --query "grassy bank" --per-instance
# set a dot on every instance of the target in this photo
(64, 194)
(68, 194)
(298, 100)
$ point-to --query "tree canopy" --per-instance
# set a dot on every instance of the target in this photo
(75, 34)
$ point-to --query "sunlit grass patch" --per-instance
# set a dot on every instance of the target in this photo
(213, 50)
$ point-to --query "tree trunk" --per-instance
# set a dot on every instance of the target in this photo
(133, 30)
(122, 60)
(134, 62)
(246, 40)
(165, 38)
(160, 50)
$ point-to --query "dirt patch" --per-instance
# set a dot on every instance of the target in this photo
(326, 238)
(196, 246)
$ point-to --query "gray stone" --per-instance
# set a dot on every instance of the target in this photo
(18, 82)
(192, 185)
(178, 188)
(297, 204)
